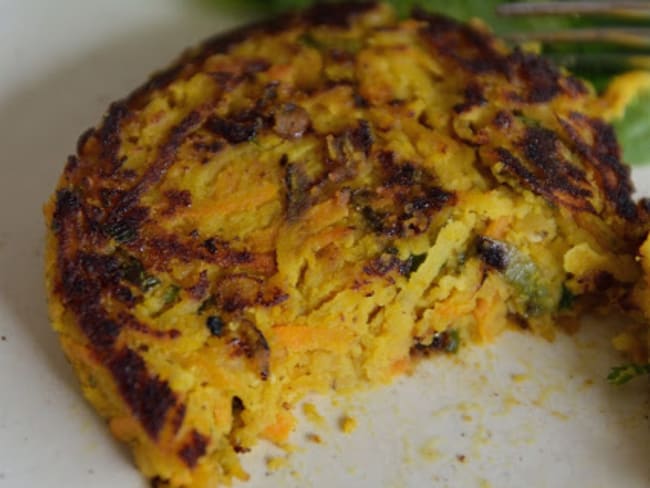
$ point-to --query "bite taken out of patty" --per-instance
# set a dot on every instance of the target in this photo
(313, 203)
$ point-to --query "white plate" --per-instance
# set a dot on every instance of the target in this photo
(522, 412)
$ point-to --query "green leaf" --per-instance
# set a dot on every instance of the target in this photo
(486, 11)
(620, 375)
(633, 130)
(459, 9)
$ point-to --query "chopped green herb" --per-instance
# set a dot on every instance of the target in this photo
(567, 299)
(171, 294)
(122, 232)
(148, 282)
(453, 341)
(169, 297)
(521, 272)
(340, 43)
(373, 218)
(207, 304)
(309, 40)
(413, 262)
(620, 375)
(134, 272)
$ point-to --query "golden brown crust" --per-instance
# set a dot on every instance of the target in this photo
(128, 229)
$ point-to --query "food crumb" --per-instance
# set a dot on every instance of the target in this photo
(311, 413)
(315, 438)
(430, 451)
(296, 474)
(461, 458)
(348, 424)
(483, 483)
(559, 415)
(275, 463)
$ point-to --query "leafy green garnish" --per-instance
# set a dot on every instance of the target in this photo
(620, 375)
(460, 9)
(633, 130)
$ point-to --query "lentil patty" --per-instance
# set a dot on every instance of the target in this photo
(311, 204)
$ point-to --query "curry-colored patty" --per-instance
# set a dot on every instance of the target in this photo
(309, 205)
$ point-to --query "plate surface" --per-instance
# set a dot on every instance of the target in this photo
(522, 412)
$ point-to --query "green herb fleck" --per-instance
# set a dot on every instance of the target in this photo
(413, 262)
(567, 299)
(148, 282)
(122, 232)
(207, 304)
(134, 272)
(524, 275)
(453, 341)
(309, 40)
(373, 218)
(171, 294)
(620, 375)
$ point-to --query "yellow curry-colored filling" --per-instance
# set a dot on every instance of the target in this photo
(309, 205)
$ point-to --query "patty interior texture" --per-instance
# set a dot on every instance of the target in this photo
(313, 204)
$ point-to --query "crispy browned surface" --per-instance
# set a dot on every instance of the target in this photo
(117, 226)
